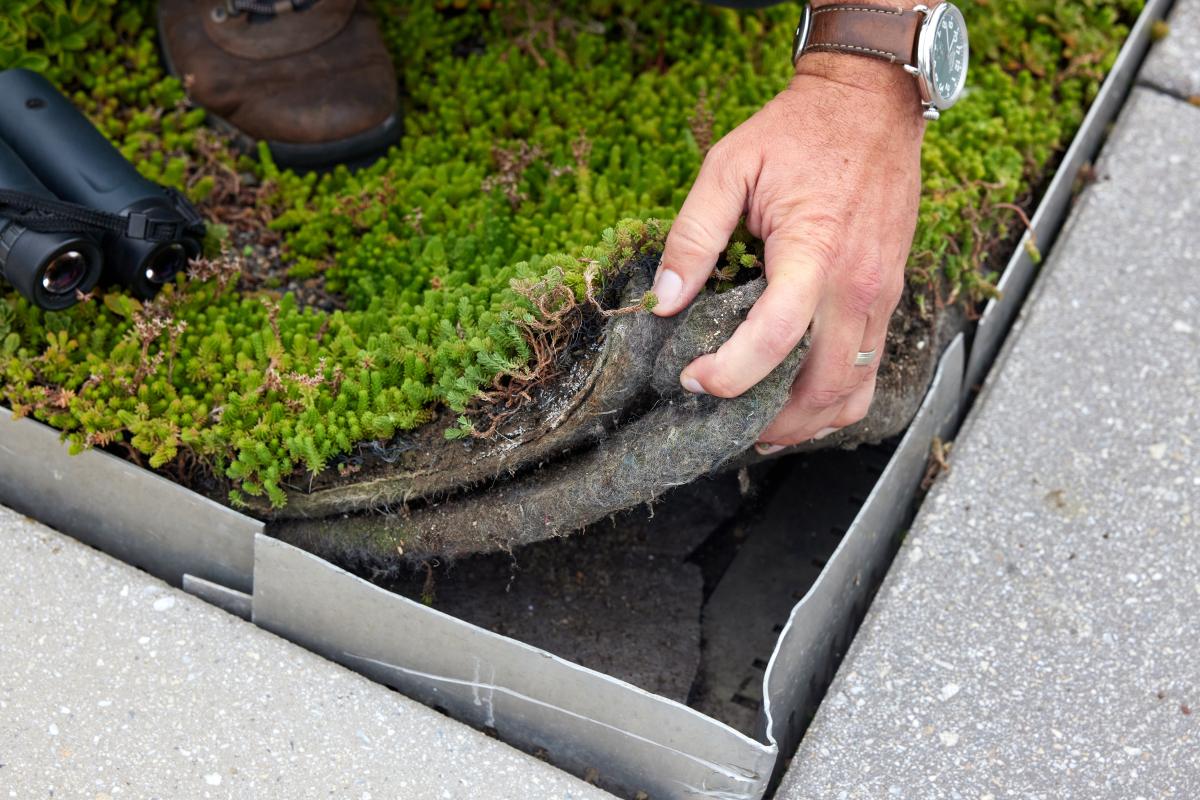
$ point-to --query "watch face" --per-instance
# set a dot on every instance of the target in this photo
(948, 56)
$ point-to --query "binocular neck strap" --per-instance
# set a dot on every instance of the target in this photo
(57, 216)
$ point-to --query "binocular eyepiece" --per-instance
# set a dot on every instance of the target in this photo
(49, 150)
(47, 267)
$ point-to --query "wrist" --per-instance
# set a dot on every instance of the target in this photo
(840, 40)
(876, 88)
(865, 74)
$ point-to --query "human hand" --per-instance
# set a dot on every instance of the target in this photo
(828, 177)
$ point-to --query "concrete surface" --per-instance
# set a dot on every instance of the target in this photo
(1174, 63)
(114, 685)
(1037, 635)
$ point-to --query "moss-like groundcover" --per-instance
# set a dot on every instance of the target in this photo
(349, 307)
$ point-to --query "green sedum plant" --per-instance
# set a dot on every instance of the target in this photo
(542, 140)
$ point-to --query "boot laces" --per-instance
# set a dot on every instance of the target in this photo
(265, 8)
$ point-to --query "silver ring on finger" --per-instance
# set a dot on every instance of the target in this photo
(864, 359)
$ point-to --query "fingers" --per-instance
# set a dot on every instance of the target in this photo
(701, 231)
(875, 336)
(857, 404)
(770, 331)
(831, 391)
(826, 381)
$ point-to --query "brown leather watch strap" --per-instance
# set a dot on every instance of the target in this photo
(865, 30)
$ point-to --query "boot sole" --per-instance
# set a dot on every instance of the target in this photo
(355, 151)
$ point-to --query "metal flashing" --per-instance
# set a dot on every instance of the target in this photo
(582, 719)
(823, 621)
(122, 509)
(224, 598)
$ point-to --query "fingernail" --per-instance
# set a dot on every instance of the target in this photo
(821, 434)
(765, 449)
(668, 287)
(691, 384)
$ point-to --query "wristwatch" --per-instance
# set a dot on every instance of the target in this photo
(929, 42)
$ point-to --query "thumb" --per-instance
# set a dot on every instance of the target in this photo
(702, 230)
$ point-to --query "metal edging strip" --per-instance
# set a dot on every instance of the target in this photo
(822, 623)
(583, 719)
(157, 525)
(1047, 220)
(224, 598)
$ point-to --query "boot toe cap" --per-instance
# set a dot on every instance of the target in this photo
(307, 112)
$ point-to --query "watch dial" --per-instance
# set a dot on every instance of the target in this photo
(949, 55)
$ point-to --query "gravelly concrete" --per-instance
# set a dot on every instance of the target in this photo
(1174, 63)
(114, 685)
(1037, 635)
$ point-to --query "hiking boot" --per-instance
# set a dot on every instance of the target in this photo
(311, 78)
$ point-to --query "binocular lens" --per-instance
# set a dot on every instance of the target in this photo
(165, 263)
(48, 147)
(65, 273)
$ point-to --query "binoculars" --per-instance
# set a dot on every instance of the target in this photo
(73, 210)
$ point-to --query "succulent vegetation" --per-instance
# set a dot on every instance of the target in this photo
(542, 141)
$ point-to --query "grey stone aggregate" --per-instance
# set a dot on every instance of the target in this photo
(115, 685)
(1173, 64)
(1038, 635)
